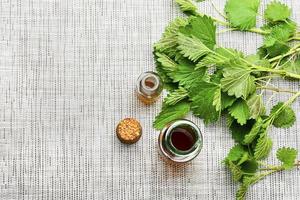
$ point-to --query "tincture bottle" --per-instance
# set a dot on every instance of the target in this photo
(149, 87)
(181, 141)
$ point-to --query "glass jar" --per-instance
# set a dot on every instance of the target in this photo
(149, 87)
(181, 141)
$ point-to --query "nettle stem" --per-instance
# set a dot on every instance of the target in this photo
(276, 71)
(275, 168)
(277, 89)
(293, 50)
(225, 23)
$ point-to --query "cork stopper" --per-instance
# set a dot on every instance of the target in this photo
(129, 131)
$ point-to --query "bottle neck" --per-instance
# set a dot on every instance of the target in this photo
(149, 84)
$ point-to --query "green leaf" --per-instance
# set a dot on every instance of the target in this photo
(278, 34)
(236, 171)
(263, 147)
(220, 57)
(192, 47)
(240, 111)
(203, 28)
(284, 116)
(176, 96)
(167, 81)
(164, 66)
(247, 182)
(244, 158)
(186, 6)
(217, 100)
(238, 131)
(238, 81)
(171, 113)
(249, 166)
(229, 120)
(287, 156)
(216, 76)
(255, 130)
(241, 193)
(256, 60)
(278, 48)
(235, 153)
(187, 76)
(168, 43)
(226, 100)
(292, 66)
(256, 106)
(277, 11)
(203, 96)
(242, 14)
(276, 42)
(166, 62)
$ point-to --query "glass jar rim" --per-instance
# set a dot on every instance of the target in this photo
(196, 133)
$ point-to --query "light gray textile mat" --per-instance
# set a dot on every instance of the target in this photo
(67, 76)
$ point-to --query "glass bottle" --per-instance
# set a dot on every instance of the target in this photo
(149, 87)
(181, 141)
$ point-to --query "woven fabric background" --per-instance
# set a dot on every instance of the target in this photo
(68, 71)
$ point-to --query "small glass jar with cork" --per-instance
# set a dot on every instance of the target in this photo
(149, 87)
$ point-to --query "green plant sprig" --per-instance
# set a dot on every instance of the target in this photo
(212, 81)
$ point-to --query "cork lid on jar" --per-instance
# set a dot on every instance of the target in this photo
(129, 131)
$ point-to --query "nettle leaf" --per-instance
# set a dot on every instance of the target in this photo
(263, 147)
(256, 106)
(186, 6)
(167, 81)
(171, 113)
(217, 100)
(226, 100)
(192, 47)
(246, 183)
(278, 34)
(166, 62)
(176, 96)
(220, 57)
(256, 60)
(255, 130)
(287, 25)
(277, 11)
(187, 75)
(243, 159)
(287, 156)
(241, 192)
(168, 43)
(236, 153)
(203, 28)
(242, 14)
(240, 111)
(203, 96)
(292, 66)
(236, 171)
(238, 131)
(284, 117)
(238, 81)
(216, 76)
(276, 42)
(249, 166)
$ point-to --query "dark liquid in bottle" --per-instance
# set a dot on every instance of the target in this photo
(182, 139)
(149, 83)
